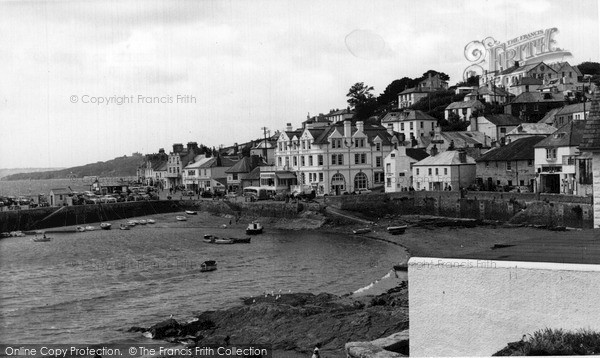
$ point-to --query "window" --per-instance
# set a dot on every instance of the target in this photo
(551, 153)
(320, 176)
(234, 176)
(417, 171)
(529, 162)
(445, 171)
(310, 160)
(509, 182)
(437, 171)
(503, 130)
(333, 143)
(377, 146)
(279, 161)
(333, 159)
(191, 172)
(401, 126)
(360, 158)
(295, 161)
(303, 144)
(487, 165)
(378, 177)
(521, 182)
(360, 181)
(429, 171)
(432, 126)
(411, 126)
(378, 161)
(389, 182)
(302, 160)
(508, 166)
(422, 124)
(341, 159)
(320, 159)
(388, 167)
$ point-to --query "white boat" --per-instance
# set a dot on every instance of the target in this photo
(90, 228)
(209, 238)
(361, 231)
(105, 226)
(151, 221)
(181, 218)
(190, 212)
(41, 239)
(80, 229)
(254, 228)
(222, 240)
(132, 223)
(143, 222)
(124, 227)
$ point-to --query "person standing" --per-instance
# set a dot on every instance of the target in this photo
(316, 353)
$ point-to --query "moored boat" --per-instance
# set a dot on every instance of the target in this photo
(208, 238)
(132, 222)
(90, 228)
(254, 228)
(124, 227)
(151, 221)
(245, 240)
(41, 239)
(222, 240)
(80, 229)
(397, 230)
(181, 218)
(361, 231)
(206, 266)
(191, 212)
(105, 226)
(143, 222)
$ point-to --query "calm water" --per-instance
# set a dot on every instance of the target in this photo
(87, 287)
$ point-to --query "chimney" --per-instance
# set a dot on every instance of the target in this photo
(433, 151)
(390, 129)
(192, 146)
(347, 129)
(177, 148)
(462, 155)
(360, 126)
(289, 127)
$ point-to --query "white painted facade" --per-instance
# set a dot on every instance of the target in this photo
(556, 165)
(398, 170)
(462, 307)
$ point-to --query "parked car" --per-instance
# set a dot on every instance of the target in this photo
(108, 199)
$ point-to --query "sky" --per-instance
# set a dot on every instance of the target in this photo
(88, 81)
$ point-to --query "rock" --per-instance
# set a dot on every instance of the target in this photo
(397, 342)
(166, 328)
(368, 350)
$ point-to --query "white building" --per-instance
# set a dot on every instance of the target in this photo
(449, 170)
(416, 126)
(398, 168)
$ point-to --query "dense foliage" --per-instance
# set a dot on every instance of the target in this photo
(554, 342)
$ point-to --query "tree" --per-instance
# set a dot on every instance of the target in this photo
(362, 100)
(470, 82)
(442, 75)
(589, 68)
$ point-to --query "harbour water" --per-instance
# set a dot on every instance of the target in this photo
(91, 287)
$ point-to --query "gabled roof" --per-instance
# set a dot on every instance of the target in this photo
(521, 149)
(533, 128)
(569, 135)
(532, 97)
(200, 160)
(591, 136)
(449, 157)
(254, 174)
(370, 130)
(414, 90)
(530, 81)
(573, 108)
(485, 90)
(406, 115)
(60, 191)
(464, 138)
(549, 117)
(473, 103)
(162, 168)
(244, 165)
(502, 119)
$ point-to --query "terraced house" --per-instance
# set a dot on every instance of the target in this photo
(343, 157)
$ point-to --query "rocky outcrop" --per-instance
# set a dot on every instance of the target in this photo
(395, 345)
(294, 322)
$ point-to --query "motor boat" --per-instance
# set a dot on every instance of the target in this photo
(206, 266)
(254, 228)
(105, 226)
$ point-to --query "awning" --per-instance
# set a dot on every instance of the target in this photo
(286, 175)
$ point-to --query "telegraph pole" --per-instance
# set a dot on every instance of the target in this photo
(265, 143)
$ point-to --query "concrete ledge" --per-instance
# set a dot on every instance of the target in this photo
(379, 347)
(465, 307)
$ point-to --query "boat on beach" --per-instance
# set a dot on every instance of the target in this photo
(209, 238)
(132, 222)
(105, 226)
(361, 231)
(181, 218)
(80, 229)
(254, 228)
(151, 221)
(397, 230)
(41, 239)
(90, 228)
(124, 227)
(143, 222)
(222, 240)
(245, 240)
(191, 212)
(206, 266)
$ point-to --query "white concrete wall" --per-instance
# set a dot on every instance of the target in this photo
(461, 307)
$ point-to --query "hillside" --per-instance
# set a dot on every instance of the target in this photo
(10, 171)
(119, 167)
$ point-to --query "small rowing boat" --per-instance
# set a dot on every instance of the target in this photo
(181, 218)
(105, 226)
(222, 240)
(80, 229)
(190, 212)
(151, 221)
(41, 239)
(397, 230)
(124, 227)
(361, 231)
(143, 222)
(208, 238)
(206, 266)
